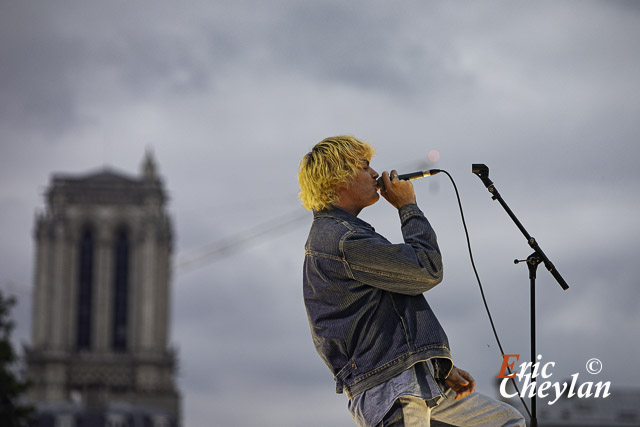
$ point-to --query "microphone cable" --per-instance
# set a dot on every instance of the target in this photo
(484, 300)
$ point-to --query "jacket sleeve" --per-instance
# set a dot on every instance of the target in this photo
(411, 268)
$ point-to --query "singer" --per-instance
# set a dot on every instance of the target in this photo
(369, 319)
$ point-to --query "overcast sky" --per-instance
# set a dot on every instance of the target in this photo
(229, 95)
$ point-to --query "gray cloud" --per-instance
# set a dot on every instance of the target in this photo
(37, 71)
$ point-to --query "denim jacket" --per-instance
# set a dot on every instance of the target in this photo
(369, 320)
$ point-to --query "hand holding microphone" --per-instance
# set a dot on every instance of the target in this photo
(397, 192)
(397, 189)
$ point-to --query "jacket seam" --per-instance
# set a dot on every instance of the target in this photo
(323, 255)
(344, 257)
(392, 275)
(402, 322)
(399, 359)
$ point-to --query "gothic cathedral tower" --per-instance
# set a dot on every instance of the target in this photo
(101, 302)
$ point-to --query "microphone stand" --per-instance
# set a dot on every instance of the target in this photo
(536, 258)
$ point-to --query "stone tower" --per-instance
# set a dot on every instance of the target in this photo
(100, 353)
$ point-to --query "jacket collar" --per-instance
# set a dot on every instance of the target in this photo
(341, 214)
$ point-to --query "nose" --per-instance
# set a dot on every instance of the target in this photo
(373, 173)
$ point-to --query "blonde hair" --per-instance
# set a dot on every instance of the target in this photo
(331, 162)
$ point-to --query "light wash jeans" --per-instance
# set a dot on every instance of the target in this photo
(474, 410)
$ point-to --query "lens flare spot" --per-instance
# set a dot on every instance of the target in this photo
(433, 156)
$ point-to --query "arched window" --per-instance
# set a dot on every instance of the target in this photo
(85, 289)
(120, 290)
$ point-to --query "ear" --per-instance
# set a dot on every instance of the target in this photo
(341, 188)
(341, 192)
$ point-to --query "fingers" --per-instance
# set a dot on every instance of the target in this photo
(468, 382)
(387, 177)
(397, 192)
(466, 376)
(461, 382)
(464, 390)
(385, 180)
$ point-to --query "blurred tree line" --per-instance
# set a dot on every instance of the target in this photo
(13, 411)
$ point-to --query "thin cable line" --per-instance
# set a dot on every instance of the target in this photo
(484, 300)
(213, 252)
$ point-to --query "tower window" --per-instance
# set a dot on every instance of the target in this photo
(85, 291)
(120, 291)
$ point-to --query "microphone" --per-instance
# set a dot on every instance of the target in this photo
(411, 176)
